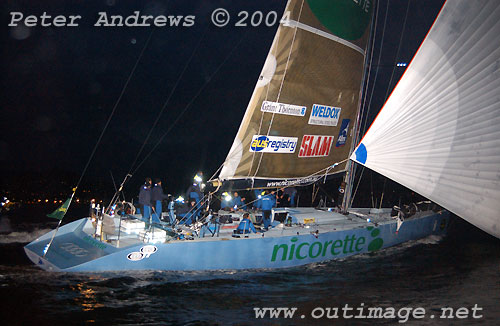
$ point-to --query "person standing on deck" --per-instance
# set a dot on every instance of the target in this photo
(194, 193)
(268, 201)
(291, 192)
(145, 199)
(157, 196)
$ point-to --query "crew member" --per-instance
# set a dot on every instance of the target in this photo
(145, 199)
(245, 226)
(267, 203)
(238, 202)
(291, 192)
(157, 196)
(258, 197)
(192, 215)
(194, 193)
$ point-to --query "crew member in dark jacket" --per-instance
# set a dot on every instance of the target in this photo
(145, 199)
(268, 201)
(157, 196)
(194, 193)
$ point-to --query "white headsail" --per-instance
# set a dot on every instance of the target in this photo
(439, 131)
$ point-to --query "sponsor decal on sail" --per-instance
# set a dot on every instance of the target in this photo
(273, 144)
(344, 129)
(282, 108)
(323, 115)
(315, 146)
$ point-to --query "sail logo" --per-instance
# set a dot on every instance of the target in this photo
(323, 115)
(344, 129)
(315, 146)
(273, 144)
(282, 108)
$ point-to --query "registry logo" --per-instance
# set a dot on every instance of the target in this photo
(315, 146)
(344, 129)
(282, 108)
(323, 115)
(273, 144)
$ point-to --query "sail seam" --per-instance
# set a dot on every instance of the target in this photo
(296, 24)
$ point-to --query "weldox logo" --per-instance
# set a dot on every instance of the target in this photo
(273, 144)
(352, 244)
(315, 146)
(323, 115)
(344, 129)
(282, 108)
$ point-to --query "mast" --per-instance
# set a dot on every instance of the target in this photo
(351, 167)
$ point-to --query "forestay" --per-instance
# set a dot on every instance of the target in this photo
(300, 118)
(439, 131)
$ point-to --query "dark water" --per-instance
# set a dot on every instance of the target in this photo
(459, 270)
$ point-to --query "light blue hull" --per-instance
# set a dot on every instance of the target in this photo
(75, 251)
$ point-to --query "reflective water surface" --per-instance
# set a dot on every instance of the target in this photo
(459, 270)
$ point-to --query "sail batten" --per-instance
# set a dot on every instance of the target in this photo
(439, 132)
(293, 23)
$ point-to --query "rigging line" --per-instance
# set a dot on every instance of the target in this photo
(397, 52)
(203, 201)
(365, 110)
(326, 193)
(378, 63)
(357, 186)
(189, 104)
(282, 82)
(167, 100)
(115, 106)
(114, 184)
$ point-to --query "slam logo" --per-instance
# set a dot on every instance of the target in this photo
(315, 146)
(344, 129)
(273, 144)
(323, 115)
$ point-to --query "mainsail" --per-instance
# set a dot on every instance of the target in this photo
(300, 118)
(439, 131)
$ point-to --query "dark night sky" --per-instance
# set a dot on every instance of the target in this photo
(59, 85)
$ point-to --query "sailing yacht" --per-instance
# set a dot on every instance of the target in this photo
(301, 126)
